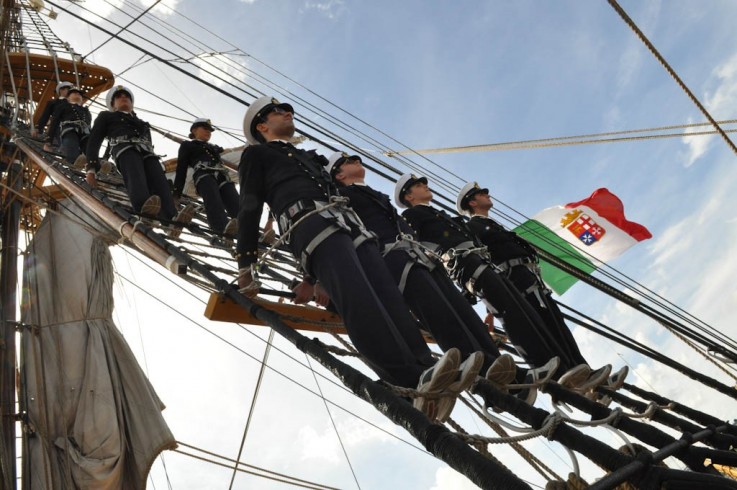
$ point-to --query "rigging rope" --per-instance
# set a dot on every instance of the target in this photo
(671, 71)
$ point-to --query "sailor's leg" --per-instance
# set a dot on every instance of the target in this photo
(70, 146)
(229, 195)
(207, 188)
(130, 164)
(432, 307)
(526, 282)
(383, 283)
(158, 185)
(521, 322)
(336, 265)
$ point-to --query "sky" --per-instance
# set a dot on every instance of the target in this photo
(430, 75)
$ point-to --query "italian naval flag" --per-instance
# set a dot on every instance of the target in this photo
(584, 234)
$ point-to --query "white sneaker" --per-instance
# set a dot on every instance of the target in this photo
(151, 206)
(435, 380)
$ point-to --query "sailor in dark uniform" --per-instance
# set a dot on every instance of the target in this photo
(210, 178)
(62, 89)
(422, 279)
(333, 247)
(71, 124)
(518, 261)
(471, 268)
(131, 147)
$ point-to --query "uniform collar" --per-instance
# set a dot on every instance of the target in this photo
(480, 216)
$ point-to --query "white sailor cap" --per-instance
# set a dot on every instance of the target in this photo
(337, 159)
(403, 185)
(255, 114)
(114, 91)
(200, 121)
(62, 85)
(466, 194)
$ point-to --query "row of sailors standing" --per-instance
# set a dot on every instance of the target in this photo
(382, 275)
(380, 270)
(129, 142)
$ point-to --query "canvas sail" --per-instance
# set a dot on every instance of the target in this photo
(95, 419)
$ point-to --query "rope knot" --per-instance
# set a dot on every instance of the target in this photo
(550, 425)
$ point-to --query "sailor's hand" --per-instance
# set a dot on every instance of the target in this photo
(91, 178)
(47, 147)
(269, 237)
(321, 296)
(489, 321)
(246, 284)
(34, 133)
(303, 292)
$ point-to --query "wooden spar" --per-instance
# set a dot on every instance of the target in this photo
(11, 208)
(137, 238)
(219, 308)
(300, 317)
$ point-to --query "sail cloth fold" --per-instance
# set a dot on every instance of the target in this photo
(95, 417)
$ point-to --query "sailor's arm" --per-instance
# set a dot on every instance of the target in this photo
(183, 158)
(249, 215)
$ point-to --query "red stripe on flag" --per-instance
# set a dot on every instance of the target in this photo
(610, 207)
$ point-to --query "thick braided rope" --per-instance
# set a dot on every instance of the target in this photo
(670, 70)
(533, 461)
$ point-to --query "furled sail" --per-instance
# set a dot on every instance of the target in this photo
(95, 417)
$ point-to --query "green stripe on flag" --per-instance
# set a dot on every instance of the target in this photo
(543, 237)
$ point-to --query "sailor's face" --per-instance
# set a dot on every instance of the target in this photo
(279, 123)
(352, 169)
(122, 102)
(75, 98)
(483, 200)
(419, 192)
(202, 133)
(63, 92)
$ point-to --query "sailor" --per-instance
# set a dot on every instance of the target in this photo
(517, 260)
(333, 247)
(470, 266)
(210, 177)
(71, 124)
(62, 89)
(130, 142)
(429, 292)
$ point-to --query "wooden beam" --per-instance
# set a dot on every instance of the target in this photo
(300, 317)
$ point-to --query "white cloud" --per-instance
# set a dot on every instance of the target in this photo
(319, 446)
(718, 102)
(446, 478)
(332, 9)
(216, 66)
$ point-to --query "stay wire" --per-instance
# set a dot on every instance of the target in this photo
(288, 378)
(124, 28)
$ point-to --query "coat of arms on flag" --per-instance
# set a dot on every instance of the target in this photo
(583, 227)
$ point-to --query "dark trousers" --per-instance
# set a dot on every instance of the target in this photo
(533, 339)
(363, 291)
(441, 308)
(143, 177)
(219, 196)
(524, 279)
(72, 145)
